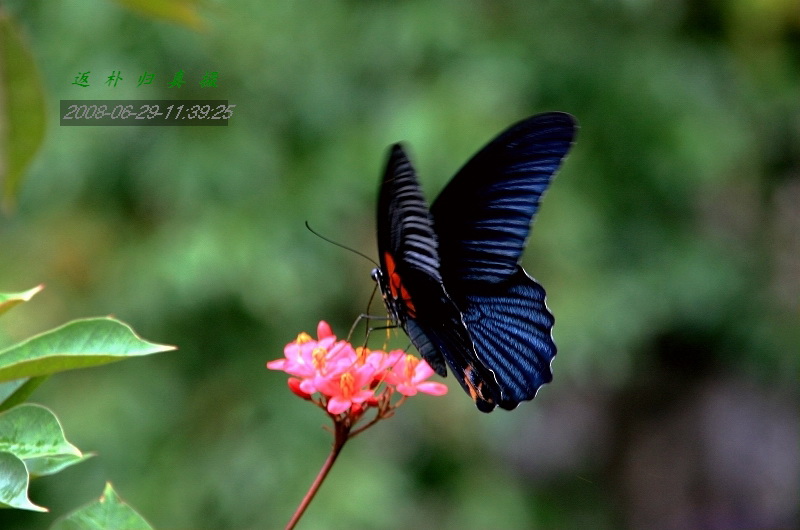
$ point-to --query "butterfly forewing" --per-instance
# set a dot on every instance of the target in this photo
(483, 216)
(482, 219)
(405, 225)
(412, 285)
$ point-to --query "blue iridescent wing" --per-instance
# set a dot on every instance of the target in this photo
(483, 216)
(510, 327)
(482, 219)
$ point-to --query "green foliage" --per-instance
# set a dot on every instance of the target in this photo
(78, 344)
(9, 300)
(22, 109)
(14, 477)
(32, 434)
(32, 442)
(107, 512)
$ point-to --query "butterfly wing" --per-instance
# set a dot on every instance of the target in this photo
(510, 327)
(483, 216)
(405, 225)
(482, 219)
(412, 287)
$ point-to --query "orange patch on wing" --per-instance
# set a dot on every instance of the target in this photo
(396, 287)
(474, 392)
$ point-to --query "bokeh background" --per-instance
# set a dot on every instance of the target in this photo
(669, 246)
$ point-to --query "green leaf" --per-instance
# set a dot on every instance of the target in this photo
(9, 300)
(33, 432)
(77, 344)
(107, 512)
(50, 465)
(9, 389)
(22, 109)
(14, 484)
(17, 391)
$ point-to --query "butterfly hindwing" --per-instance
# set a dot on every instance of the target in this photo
(511, 331)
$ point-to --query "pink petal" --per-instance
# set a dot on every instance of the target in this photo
(434, 389)
(396, 355)
(308, 386)
(326, 342)
(382, 360)
(423, 371)
(343, 350)
(362, 395)
(337, 405)
(363, 375)
(277, 364)
(407, 390)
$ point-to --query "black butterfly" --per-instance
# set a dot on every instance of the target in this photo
(450, 275)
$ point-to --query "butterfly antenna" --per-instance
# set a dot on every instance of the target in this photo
(363, 316)
(332, 242)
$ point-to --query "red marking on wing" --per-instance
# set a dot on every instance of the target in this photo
(396, 287)
(475, 390)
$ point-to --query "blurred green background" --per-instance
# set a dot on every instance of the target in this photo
(669, 246)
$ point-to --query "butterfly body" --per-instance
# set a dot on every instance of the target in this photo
(450, 274)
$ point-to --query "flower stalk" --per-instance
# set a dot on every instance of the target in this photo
(341, 435)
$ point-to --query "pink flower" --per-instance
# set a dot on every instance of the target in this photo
(356, 387)
(351, 386)
(314, 360)
(409, 373)
(349, 378)
(380, 360)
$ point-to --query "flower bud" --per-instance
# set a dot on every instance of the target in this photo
(294, 386)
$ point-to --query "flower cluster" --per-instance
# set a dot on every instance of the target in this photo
(350, 380)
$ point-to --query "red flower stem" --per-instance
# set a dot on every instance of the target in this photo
(342, 434)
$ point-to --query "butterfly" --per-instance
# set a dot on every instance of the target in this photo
(450, 274)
